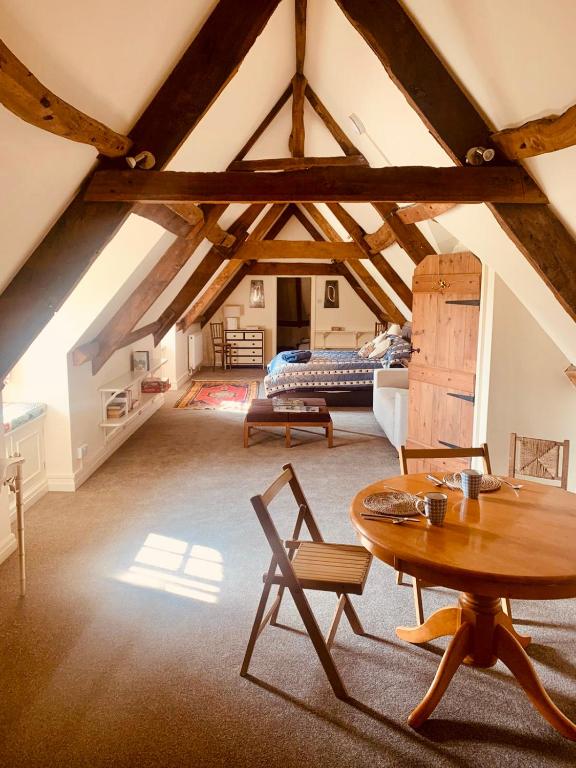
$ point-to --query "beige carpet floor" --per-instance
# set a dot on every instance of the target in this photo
(142, 590)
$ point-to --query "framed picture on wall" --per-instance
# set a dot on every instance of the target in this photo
(256, 300)
(331, 297)
(141, 361)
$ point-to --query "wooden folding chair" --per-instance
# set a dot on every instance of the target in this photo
(299, 565)
(220, 347)
(407, 454)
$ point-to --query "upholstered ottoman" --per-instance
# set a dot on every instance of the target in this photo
(262, 414)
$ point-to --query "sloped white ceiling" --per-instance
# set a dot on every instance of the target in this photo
(516, 58)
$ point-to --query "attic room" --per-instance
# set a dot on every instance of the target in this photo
(319, 250)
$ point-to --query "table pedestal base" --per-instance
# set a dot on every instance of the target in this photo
(482, 634)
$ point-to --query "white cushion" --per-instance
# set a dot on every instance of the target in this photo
(380, 349)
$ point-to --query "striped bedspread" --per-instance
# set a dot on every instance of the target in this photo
(329, 368)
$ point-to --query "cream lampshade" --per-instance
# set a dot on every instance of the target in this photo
(232, 312)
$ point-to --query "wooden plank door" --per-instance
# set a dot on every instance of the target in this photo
(442, 376)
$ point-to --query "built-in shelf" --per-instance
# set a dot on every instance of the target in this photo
(143, 403)
(128, 380)
(339, 336)
(131, 378)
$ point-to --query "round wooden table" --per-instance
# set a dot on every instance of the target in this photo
(517, 544)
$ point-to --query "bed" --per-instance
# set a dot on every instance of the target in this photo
(340, 376)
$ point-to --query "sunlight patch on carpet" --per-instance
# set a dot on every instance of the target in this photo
(167, 565)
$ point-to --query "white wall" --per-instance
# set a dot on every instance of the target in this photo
(7, 539)
(352, 313)
(528, 391)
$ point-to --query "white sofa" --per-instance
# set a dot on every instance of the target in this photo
(390, 403)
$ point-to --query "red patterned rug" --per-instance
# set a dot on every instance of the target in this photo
(219, 395)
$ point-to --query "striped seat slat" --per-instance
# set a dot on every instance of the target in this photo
(345, 565)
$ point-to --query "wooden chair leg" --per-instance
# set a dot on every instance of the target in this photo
(319, 643)
(335, 621)
(256, 629)
(274, 617)
(352, 617)
(417, 592)
(399, 575)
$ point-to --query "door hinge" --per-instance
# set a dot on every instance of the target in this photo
(468, 398)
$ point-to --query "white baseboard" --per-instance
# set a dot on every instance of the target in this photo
(70, 483)
(183, 379)
(7, 547)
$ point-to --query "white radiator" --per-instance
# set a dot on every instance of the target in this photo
(195, 351)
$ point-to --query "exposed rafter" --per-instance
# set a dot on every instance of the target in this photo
(361, 293)
(295, 163)
(381, 297)
(408, 236)
(454, 121)
(411, 214)
(112, 336)
(295, 249)
(293, 268)
(229, 272)
(227, 291)
(204, 273)
(354, 185)
(357, 234)
(197, 309)
(26, 97)
(83, 230)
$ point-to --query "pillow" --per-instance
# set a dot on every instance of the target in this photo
(380, 349)
(394, 330)
(365, 349)
(399, 350)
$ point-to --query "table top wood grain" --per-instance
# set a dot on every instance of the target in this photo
(518, 544)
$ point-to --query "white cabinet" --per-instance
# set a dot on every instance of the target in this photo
(247, 347)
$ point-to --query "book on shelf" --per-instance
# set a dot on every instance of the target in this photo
(293, 405)
(154, 385)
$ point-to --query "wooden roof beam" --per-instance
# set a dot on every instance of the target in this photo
(194, 314)
(357, 233)
(112, 336)
(536, 137)
(292, 268)
(194, 214)
(411, 214)
(381, 296)
(346, 145)
(454, 121)
(204, 273)
(200, 307)
(227, 291)
(408, 236)
(298, 249)
(28, 99)
(295, 163)
(357, 184)
(83, 230)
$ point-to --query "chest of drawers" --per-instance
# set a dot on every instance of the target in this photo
(247, 348)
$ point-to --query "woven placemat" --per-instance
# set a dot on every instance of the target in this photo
(392, 503)
(487, 484)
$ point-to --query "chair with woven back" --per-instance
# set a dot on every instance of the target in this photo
(542, 459)
(437, 454)
(220, 346)
(298, 565)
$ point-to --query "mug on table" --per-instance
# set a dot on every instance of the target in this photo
(470, 480)
(434, 506)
